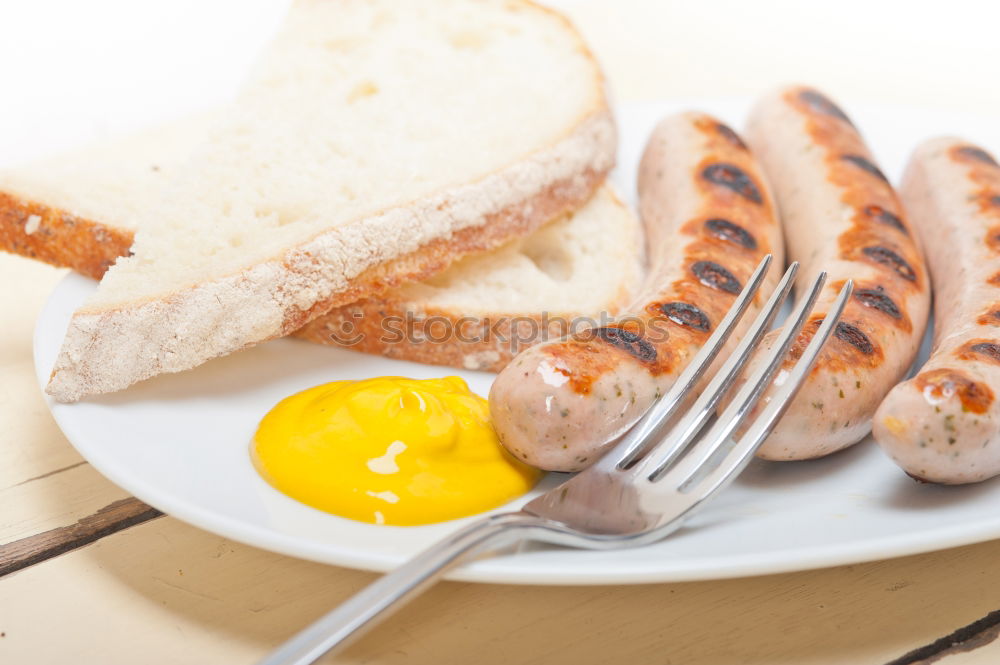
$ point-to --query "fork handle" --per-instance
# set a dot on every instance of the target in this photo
(390, 592)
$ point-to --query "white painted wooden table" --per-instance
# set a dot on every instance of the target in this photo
(89, 575)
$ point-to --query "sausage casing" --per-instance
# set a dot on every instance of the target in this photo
(944, 424)
(840, 214)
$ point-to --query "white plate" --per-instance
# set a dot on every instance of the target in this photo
(179, 442)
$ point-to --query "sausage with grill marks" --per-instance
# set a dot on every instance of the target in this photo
(944, 424)
(709, 220)
(841, 215)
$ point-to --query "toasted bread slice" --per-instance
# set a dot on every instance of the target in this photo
(376, 143)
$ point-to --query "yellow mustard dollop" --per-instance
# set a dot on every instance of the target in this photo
(389, 450)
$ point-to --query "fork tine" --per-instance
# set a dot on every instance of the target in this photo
(669, 448)
(733, 416)
(743, 451)
(638, 439)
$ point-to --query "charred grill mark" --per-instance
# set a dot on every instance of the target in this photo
(858, 350)
(977, 154)
(989, 349)
(993, 238)
(581, 360)
(687, 289)
(883, 216)
(990, 317)
(865, 164)
(853, 336)
(979, 349)
(726, 132)
(802, 340)
(733, 178)
(985, 174)
(940, 384)
(685, 314)
(887, 257)
(713, 128)
(734, 233)
(878, 299)
(629, 342)
(584, 357)
(712, 274)
(820, 103)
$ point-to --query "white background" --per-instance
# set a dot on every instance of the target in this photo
(72, 70)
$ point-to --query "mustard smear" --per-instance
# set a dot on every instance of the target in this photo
(389, 450)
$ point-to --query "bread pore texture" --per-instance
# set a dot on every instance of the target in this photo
(375, 143)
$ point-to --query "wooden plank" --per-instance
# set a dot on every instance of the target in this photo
(112, 518)
(165, 593)
(983, 656)
(31, 444)
(55, 499)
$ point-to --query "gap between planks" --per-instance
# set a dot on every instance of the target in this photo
(975, 635)
(114, 517)
(49, 474)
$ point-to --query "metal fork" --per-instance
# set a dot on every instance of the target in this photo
(637, 493)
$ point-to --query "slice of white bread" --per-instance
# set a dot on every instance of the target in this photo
(375, 143)
(483, 310)
(477, 314)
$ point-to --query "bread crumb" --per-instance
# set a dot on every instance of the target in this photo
(34, 221)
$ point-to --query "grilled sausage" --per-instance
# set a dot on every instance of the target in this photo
(944, 424)
(840, 214)
(709, 220)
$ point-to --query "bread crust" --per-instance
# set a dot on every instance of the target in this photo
(108, 350)
(56, 236)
